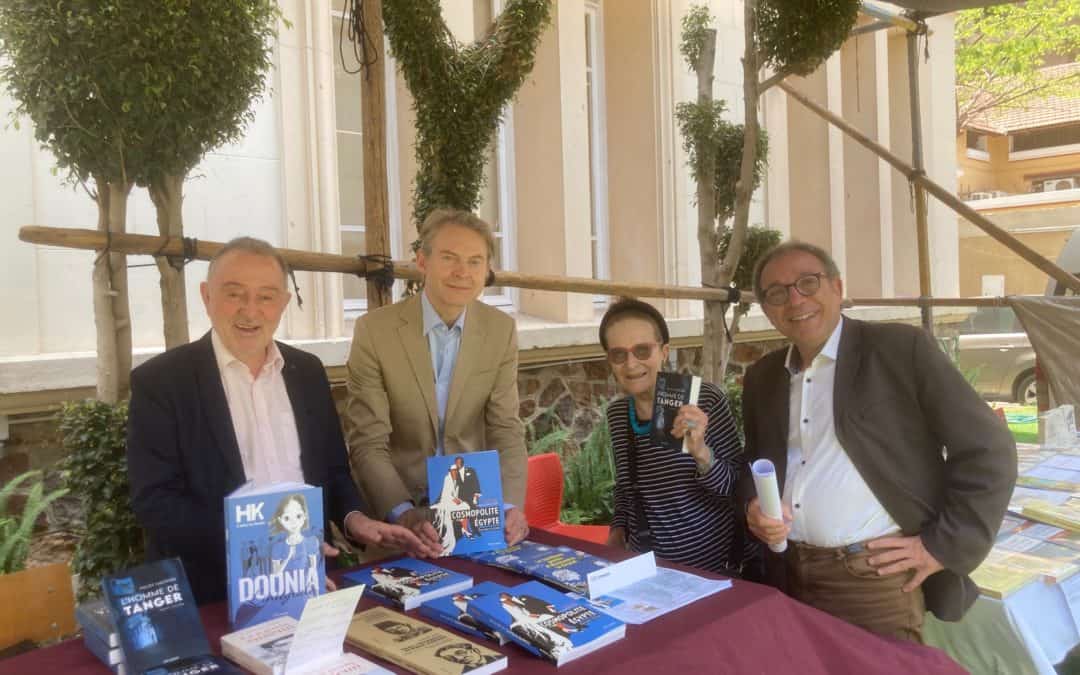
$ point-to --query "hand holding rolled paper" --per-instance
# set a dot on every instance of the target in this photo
(768, 502)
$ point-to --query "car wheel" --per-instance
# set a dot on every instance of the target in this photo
(1025, 389)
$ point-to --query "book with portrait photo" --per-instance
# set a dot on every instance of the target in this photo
(673, 391)
(546, 622)
(451, 610)
(273, 542)
(406, 583)
(420, 647)
(561, 566)
(465, 493)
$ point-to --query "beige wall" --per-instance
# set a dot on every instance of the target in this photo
(999, 173)
(980, 255)
(808, 152)
(633, 143)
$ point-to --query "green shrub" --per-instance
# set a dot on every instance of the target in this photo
(733, 391)
(588, 470)
(15, 531)
(95, 470)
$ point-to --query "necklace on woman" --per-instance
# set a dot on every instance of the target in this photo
(640, 428)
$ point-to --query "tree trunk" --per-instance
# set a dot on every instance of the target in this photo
(112, 314)
(373, 118)
(713, 334)
(167, 193)
(744, 189)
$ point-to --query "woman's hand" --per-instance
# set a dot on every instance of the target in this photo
(691, 422)
(617, 537)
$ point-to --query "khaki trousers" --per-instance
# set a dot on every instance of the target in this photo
(841, 581)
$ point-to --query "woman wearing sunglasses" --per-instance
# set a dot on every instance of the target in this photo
(679, 505)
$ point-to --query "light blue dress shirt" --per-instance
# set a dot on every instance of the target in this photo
(444, 343)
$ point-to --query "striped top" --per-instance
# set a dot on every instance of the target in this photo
(691, 516)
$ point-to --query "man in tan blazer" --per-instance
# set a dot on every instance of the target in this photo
(436, 374)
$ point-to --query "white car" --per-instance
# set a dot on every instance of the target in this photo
(994, 353)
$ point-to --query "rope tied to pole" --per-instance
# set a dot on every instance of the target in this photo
(189, 252)
(383, 277)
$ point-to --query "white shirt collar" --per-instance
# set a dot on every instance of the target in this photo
(225, 358)
(830, 350)
(432, 318)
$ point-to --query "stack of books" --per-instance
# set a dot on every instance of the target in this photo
(99, 634)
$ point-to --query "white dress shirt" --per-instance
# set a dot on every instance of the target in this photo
(262, 416)
(830, 501)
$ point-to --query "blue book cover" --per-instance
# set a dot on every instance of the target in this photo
(560, 566)
(407, 582)
(547, 623)
(155, 615)
(198, 666)
(452, 610)
(273, 541)
(465, 492)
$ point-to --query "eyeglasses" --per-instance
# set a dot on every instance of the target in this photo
(806, 285)
(641, 352)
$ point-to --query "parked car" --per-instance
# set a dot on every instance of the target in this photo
(994, 353)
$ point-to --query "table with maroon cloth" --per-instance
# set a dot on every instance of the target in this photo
(747, 628)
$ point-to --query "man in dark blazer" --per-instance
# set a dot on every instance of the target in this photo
(895, 475)
(231, 407)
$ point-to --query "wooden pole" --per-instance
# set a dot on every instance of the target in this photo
(140, 244)
(373, 118)
(949, 199)
(922, 233)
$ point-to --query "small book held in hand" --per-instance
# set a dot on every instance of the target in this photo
(673, 391)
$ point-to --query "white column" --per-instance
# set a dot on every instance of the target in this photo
(837, 201)
(885, 179)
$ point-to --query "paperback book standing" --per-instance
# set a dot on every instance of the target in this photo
(274, 554)
(673, 391)
(465, 492)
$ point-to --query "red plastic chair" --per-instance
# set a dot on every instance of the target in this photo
(543, 501)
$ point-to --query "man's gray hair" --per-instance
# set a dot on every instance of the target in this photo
(440, 218)
(831, 270)
(253, 246)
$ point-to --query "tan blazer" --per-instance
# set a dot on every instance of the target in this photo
(391, 415)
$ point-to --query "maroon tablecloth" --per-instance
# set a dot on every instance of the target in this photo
(746, 629)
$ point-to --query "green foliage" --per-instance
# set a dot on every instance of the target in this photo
(733, 391)
(695, 28)
(588, 470)
(129, 90)
(15, 531)
(1001, 49)
(94, 434)
(459, 92)
(759, 239)
(704, 130)
(796, 36)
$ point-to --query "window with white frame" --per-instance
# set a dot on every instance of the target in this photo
(497, 205)
(597, 146)
(349, 142)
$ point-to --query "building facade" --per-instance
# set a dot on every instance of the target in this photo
(587, 178)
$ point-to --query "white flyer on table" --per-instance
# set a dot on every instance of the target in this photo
(636, 590)
(320, 634)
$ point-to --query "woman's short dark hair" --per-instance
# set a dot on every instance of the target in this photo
(632, 308)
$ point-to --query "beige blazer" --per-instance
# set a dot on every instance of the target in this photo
(391, 415)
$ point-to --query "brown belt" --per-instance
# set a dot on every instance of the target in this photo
(809, 551)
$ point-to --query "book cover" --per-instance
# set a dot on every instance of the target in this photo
(420, 647)
(273, 542)
(407, 582)
(673, 391)
(1065, 515)
(285, 646)
(95, 619)
(465, 492)
(200, 665)
(547, 623)
(561, 566)
(155, 615)
(452, 610)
